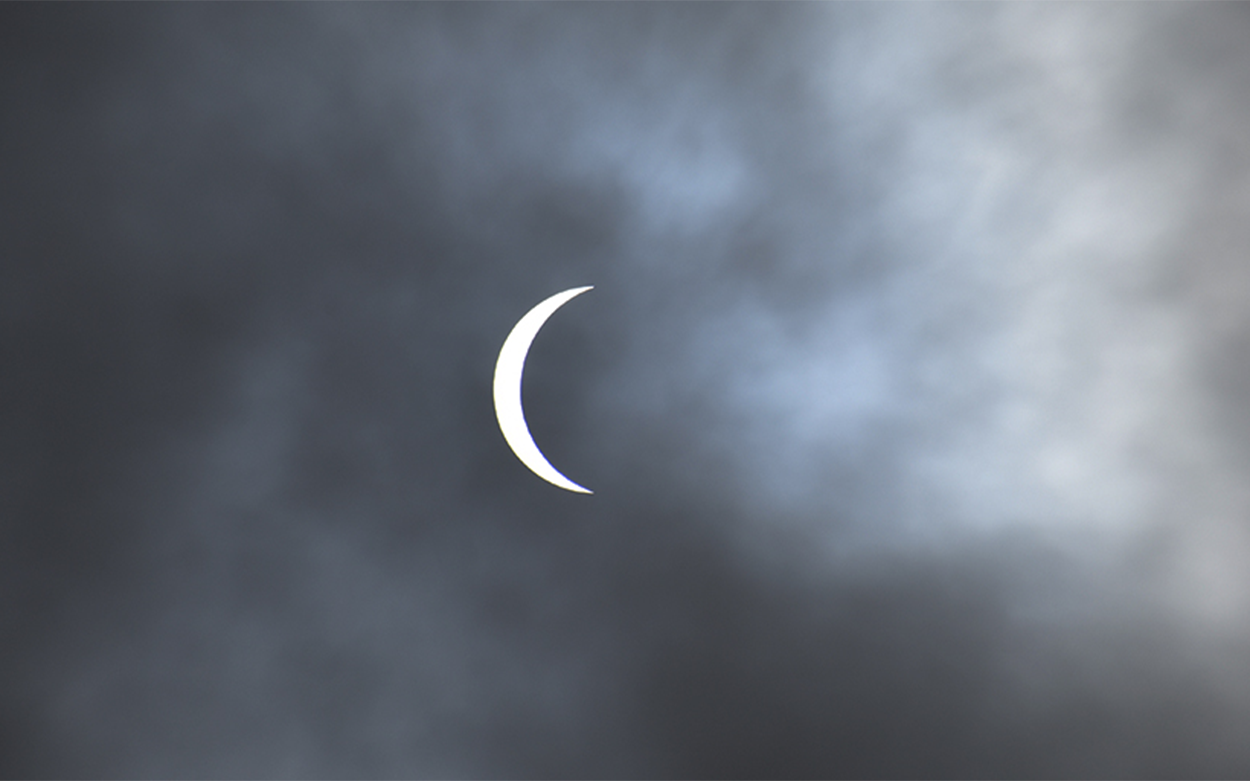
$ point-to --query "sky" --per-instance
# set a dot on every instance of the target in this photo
(913, 390)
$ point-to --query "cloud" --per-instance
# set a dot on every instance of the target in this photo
(911, 390)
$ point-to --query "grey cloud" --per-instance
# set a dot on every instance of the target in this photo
(911, 390)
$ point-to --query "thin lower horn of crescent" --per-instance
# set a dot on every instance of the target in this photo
(507, 386)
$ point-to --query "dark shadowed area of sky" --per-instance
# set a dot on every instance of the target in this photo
(912, 390)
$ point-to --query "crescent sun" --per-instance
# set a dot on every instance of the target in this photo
(508, 371)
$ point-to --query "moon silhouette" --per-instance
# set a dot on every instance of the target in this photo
(508, 371)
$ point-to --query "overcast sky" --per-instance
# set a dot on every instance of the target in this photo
(914, 390)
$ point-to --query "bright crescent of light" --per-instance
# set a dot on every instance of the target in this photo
(508, 370)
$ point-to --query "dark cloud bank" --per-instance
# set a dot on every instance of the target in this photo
(912, 390)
